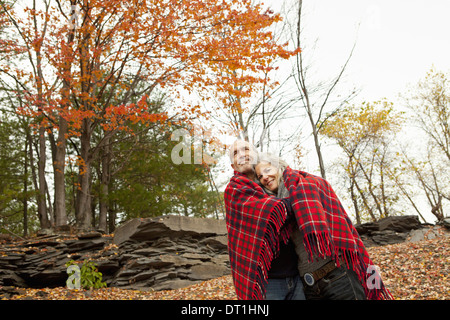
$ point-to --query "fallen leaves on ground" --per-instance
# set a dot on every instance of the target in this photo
(416, 271)
(216, 289)
(411, 271)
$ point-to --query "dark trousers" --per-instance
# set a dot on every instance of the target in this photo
(339, 284)
(290, 288)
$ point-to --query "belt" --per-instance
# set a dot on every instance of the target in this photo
(312, 277)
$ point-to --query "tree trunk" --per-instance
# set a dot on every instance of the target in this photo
(369, 180)
(83, 204)
(42, 207)
(39, 76)
(59, 177)
(104, 186)
(366, 204)
(60, 149)
(25, 190)
(303, 89)
(355, 201)
(111, 218)
(316, 137)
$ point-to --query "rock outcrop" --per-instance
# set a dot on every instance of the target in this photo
(396, 229)
(170, 252)
(41, 262)
(149, 254)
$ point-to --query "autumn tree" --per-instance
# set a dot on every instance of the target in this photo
(14, 55)
(249, 109)
(429, 104)
(253, 118)
(430, 175)
(365, 134)
(18, 148)
(82, 55)
(134, 176)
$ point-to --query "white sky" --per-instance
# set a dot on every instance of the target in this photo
(397, 41)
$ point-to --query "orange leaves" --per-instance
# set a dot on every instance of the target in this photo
(118, 117)
(94, 55)
(217, 289)
(415, 271)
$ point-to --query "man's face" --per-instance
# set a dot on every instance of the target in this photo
(243, 156)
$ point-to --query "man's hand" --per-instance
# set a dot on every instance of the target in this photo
(287, 203)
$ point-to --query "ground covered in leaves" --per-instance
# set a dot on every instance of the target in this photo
(411, 271)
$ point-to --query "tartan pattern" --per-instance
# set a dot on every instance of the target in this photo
(254, 221)
(327, 229)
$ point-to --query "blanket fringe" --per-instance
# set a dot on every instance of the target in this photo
(319, 244)
(269, 249)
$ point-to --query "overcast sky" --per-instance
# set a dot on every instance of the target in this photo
(397, 41)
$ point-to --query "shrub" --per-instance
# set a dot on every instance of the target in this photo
(90, 277)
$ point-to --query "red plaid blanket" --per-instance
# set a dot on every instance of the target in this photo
(254, 221)
(255, 226)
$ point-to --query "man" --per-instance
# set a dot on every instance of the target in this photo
(253, 266)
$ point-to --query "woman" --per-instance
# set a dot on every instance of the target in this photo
(269, 172)
(284, 268)
(332, 260)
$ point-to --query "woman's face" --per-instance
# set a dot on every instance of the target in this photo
(267, 174)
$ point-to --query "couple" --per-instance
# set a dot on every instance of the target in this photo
(289, 236)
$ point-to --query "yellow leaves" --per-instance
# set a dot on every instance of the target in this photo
(367, 121)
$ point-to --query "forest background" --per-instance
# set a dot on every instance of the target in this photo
(92, 92)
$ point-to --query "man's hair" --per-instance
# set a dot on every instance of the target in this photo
(231, 151)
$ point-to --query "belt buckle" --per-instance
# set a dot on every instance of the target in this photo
(309, 279)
